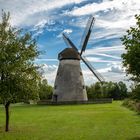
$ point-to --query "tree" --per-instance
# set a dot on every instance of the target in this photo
(90, 92)
(18, 76)
(45, 90)
(107, 90)
(136, 92)
(131, 58)
(94, 91)
(122, 90)
(98, 90)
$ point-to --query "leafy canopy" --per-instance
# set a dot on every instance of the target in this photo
(107, 90)
(131, 58)
(18, 75)
(45, 90)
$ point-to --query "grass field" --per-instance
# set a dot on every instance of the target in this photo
(75, 122)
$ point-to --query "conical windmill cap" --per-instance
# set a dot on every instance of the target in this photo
(68, 53)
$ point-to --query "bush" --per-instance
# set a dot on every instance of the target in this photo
(138, 106)
(136, 92)
(45, 90)
(132, 104)
(117, 91)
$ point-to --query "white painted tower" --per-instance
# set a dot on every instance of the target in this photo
(69, 82)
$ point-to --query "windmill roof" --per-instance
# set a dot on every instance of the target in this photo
(68, 53)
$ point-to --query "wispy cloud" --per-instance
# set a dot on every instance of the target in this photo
(113, 17)
(67, 31)
(106, 55)
(48, 72)
(104, 49)
(45, 60)
(124, 6)
(100, 60)
(113, 72)
(105, 52)
(30, 12)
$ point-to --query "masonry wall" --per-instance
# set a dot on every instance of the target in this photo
(69, 82)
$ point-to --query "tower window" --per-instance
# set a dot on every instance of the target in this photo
(55, 86)
(81, 73)
(83, 87)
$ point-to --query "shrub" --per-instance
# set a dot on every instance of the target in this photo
(136, 92)
(132, 104)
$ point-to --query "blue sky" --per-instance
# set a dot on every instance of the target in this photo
(48, 19)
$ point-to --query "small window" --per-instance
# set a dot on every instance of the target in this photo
(81, 73)
(83, 87)
(55, 86)
(57, 73)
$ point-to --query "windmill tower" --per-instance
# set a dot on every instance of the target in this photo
(69, 82)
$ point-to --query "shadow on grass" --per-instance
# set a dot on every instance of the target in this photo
(138, 113)
(1, 129)
(135, 138)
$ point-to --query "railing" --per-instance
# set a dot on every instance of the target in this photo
(95, 101)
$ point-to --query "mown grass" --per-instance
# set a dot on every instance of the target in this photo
(71, 122)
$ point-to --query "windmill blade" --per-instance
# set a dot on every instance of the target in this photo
(86, 34)
(69, 42)
(93, 70)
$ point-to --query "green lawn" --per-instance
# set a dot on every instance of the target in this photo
(71, 122)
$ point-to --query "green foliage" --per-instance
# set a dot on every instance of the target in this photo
(123, 90)
(132, 104)
(18, 75)
(45, 90)
(131, 59)
(116, 91)
(94, 91)
(135, 94)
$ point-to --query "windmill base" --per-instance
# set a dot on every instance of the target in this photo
(69, 82)
(95, 101)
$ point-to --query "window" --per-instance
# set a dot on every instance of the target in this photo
(55, 86)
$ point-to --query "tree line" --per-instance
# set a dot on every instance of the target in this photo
(114, 90)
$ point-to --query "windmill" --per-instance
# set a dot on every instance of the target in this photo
(69, 82)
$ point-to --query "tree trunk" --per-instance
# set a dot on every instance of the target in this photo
(7, 116)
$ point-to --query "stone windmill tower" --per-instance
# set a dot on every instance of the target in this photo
(69, 82)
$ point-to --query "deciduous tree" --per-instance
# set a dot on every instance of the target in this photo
(18, 75)
(45, 90)
(131, 58)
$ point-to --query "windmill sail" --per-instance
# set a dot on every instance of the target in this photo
(93, 70)
(69, 42)
(69, 82)
(86, 34)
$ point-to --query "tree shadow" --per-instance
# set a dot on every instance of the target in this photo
(138, 113)
(135, 138)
